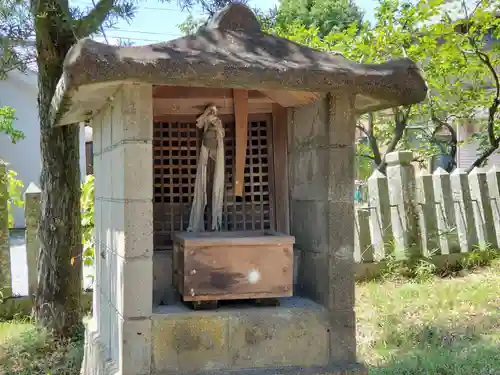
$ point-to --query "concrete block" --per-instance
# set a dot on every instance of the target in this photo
(132, 227)
(313, 277)
(342, 121)
(342, 336)
(137, 287)
(308, 179)
(133, 171)
(310, 125)
(190, 342)
(309, 225)
(294, 334)
(340, 171)
(136, 109)
(137, 343)
(288, 338)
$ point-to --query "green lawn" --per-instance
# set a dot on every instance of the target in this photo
(438, 327)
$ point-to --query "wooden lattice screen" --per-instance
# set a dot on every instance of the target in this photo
(176, 146)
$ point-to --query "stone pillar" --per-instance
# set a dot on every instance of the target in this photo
(493, 177)
(483, 214)
(401, 182)
(322, 208)
(131, 222)
(5, 271)
(464, 213)
(424, 197)
(32, 219)
(363, 244)
(445, 214)
(380, 214)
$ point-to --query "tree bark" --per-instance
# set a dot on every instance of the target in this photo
(57, 299)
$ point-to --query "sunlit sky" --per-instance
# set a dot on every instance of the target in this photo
(158, 21)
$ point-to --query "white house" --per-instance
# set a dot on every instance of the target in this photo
(19, 91)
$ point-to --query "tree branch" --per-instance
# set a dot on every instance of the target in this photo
(92, 22)
(372, 140)
(493, 109)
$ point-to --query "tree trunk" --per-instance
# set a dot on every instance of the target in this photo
(57, 300)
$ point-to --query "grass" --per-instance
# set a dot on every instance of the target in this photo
(28, 350)
(436, 327)
(433, 327)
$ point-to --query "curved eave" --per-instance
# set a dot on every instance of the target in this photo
(93, 71)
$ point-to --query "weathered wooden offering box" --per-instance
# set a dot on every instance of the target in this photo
(214, 266)
(224, 170)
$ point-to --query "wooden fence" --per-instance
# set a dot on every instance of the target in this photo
(427, 215)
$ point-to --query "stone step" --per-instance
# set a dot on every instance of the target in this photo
(353, 369)
(293, 334)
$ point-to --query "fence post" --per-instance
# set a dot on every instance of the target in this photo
(493, 177)
(380, 214)
(424, 196)
(483, 215)
(363, 250)
(5, 270)
(464, 214)
(401, 182)
(31, 219)
(444, 212)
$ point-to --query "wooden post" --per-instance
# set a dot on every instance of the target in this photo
(240, 99)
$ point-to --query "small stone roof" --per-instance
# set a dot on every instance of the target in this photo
(230, 52)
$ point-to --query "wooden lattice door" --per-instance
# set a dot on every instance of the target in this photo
(176, 146)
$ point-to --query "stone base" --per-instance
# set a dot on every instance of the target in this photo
(294, 334)
(326, 370)
(293, 338)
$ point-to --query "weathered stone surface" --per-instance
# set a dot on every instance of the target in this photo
(227, 57)
(32, 197)
(188, 342)
(5, 272)
(137, 344)
(289, 338)
(426, 210)
(134, 278)
(493, 177)
(310, 234)
(464, 213)
(483, 214)
(401, 182)
(445, 213)
(380, 214)
(133, 104)
(294, 334)
(363, 249)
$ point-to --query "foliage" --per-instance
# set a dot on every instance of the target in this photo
(87, 200)
(15, 190)
(455, 65)
(26, 349)
(7, 118)
(14, 185)
(325, 16)
(421, 269)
